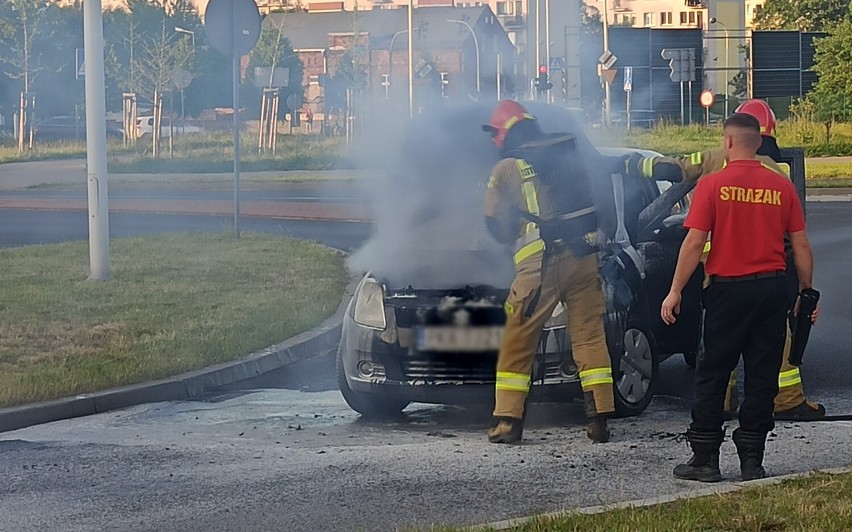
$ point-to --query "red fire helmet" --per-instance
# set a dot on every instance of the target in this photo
(760, 110)
(507, 114)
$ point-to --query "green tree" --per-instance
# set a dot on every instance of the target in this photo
(804, 15)
(273, 50)
(831, 100)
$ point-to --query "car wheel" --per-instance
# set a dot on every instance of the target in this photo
(634, 369)
(375, 405)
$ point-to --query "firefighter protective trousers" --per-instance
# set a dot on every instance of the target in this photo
(540, 284)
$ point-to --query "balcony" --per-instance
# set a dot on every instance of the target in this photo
(512, 21)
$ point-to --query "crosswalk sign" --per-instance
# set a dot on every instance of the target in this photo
(557, 63)
(80, 63)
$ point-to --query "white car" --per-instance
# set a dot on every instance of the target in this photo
(145, 124)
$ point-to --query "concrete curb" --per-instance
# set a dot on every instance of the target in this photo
(186, 386)
(718, 489)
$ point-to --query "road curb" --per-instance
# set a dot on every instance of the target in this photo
(185, 386)
(718, 489)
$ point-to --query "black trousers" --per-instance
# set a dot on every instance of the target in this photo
(748, 318)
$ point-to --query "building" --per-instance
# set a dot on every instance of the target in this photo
(457, 53)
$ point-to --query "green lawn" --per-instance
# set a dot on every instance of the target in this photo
(176, 302)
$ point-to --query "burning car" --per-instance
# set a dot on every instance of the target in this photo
(425, 324)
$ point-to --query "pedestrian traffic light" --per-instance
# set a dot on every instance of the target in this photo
(541, 83)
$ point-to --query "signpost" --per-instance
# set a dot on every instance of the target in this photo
(706, 100)
(607, 75)
(233, 28)
(628, 88)
(682, 64)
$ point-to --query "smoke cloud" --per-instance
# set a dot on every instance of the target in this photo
(427, 200)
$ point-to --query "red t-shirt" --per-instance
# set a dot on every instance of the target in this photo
(747, 209)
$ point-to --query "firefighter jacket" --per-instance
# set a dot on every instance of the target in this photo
(543, 205)
(689, 168)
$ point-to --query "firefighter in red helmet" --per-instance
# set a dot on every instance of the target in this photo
(790, 403)
(539, 199)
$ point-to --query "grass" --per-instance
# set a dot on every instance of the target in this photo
(819, 502)
(176, 302)
(201, 153)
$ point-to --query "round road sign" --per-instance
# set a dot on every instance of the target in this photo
(706, 99)
(182, 79)
(232, 26)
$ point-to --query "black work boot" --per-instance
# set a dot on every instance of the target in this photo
(750, 446)
(597, 430)
(807, 411)
(596, 427)
(506, 430)
(704, 464)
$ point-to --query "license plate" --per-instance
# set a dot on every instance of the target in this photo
(459, 338)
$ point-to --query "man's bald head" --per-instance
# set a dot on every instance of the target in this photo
(742, 136)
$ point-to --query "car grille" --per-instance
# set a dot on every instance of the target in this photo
(461, 369)
(405, 317)
(464, 370)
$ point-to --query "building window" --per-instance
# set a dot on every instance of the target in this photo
(665, 18)
(313, 80)
(683, 18)
(445, 84)
(510, 8)
(648, 19)
(700, 20)
(519, 7)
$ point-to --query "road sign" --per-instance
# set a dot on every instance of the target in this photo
(80, 62)
(706, 98)
(608, 74)
(628, 79)
(682, 63)
(557, 63)
(182, 79)
(232, 26)
(607, 59)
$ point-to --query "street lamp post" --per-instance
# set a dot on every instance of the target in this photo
(390, 54)
(714, 20)
(182, 115)
(475, 45)
(188, 32)
(607, 88)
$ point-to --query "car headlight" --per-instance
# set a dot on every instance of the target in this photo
(557, 319)
(370, 305)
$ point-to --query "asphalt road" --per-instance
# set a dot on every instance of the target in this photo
(296, 458)
(22, 227)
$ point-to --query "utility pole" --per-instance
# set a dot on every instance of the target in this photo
(96, 154)
(410, 59)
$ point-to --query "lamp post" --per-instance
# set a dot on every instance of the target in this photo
(714, 20)
(607, 88)
(188, 32)
(475, 45)
(410, 59)
(182, 115)
(390, 54)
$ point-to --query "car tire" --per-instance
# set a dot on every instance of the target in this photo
(635, 368)
(369, 405)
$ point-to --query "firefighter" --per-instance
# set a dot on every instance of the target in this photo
(539, 199)
(748, 209)
(790, 403)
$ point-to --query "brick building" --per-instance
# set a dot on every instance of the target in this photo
(369, 49)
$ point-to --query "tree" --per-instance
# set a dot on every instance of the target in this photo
(831, 100)
(804, 15)
(273, 50)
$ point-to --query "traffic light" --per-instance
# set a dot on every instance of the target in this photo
(541, 83)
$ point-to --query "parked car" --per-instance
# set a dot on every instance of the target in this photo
(418, 329)
(69, 128)
(145, 124)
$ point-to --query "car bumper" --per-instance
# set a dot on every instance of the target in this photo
(450, 378)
